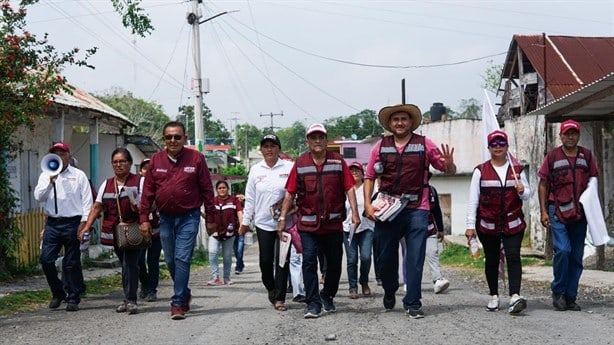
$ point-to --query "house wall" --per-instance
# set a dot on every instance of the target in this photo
(465, 136)
(529, 141)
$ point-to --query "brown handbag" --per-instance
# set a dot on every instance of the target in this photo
(128, 235)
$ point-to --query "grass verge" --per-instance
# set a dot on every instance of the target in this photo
(458, 256)
(24, 301)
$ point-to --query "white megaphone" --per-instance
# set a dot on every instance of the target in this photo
(51, 164)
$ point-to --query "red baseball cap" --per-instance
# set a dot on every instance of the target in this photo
(569, 125)
(357, 165)
(59, 146)
(496, 134)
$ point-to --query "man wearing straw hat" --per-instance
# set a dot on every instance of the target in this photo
(402, 162)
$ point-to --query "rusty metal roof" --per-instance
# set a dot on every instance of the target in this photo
(593, 102)
(83, 100)
(573, 62)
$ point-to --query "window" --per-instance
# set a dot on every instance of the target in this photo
(349, 152)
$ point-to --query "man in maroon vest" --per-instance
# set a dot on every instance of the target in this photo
(402, 161)
(564, 175)
(320, 181)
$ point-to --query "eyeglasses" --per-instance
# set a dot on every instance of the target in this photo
(497, 143)
(119, 162)
(316, 137)
(177, 137)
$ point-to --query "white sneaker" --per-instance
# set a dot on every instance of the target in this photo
(517, 304)
(404, 287)
(493, 304)
(441, 285)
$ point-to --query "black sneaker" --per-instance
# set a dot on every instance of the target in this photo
(72, 307)
(299, 299)
(415, 313)
(389, 300)
(142, 294)
(571, 305)
(312, 312)
(327, 304)
(55, 302)
(558, 302)
(152, 297)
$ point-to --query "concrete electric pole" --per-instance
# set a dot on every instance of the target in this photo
(272, 127)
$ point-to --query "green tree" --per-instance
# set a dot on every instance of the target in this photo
(29, 78)
(293, 138)
(212, 128)
(492, 77)
(149, 117)
(469, 109)
(133, 16)
(248, 137)
(239, 187)
(359, 125)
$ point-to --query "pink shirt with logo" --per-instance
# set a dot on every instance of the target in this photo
(433, 158)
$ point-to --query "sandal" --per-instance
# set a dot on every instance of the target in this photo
(280, 306)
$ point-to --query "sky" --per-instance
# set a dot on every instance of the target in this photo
(307, 60)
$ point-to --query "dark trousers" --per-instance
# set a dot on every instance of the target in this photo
(492, 250)
(331, 246)
(239, 247)
(62, 232)
(149, 266)
(129, 259)
(274, 278)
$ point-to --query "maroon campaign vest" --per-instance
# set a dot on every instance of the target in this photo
(320, 194)
(226, 216)
(568, 181)
(404, 174)
(499, 206)
(109, 203)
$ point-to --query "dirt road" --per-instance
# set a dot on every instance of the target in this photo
(241, 314)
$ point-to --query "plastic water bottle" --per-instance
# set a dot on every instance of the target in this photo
(474, 247)
(230, 229)
(85, 245)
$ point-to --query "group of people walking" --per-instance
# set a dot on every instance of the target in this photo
(328, 205)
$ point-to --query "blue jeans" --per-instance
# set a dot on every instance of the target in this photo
(62, 233)
(568, 245)
(362, 241)
(149, 266)
(214, 247)
(412, 225)
(239, 247)
(178, 235)
(330, 245)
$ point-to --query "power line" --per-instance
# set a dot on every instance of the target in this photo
(367, 64)
(272, 127)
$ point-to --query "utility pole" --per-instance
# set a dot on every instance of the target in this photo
(272, 127)
(235, 131)
(199, 132)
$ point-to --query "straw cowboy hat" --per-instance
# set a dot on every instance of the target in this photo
(410, 109)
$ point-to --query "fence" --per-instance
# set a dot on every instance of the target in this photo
(28, 249)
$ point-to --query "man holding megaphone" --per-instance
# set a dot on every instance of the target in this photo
(65, 195)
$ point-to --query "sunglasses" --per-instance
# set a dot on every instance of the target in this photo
(497, 143)
(177, 137)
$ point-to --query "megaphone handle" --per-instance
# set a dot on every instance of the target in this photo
(55, 198)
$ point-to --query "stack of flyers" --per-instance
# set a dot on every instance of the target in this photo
(387, 206)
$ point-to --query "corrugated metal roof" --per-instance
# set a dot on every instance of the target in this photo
(83, 100)
(592, 102)
(573, 62)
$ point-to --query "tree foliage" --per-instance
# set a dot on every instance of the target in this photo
(492, 77)
(29, 78)
(359, 125)
(148, 116)
(133, 16)
(293, 139)
(213, 129)
(469, 109)
(248, 137)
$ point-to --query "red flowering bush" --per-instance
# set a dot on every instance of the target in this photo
(30, 76)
